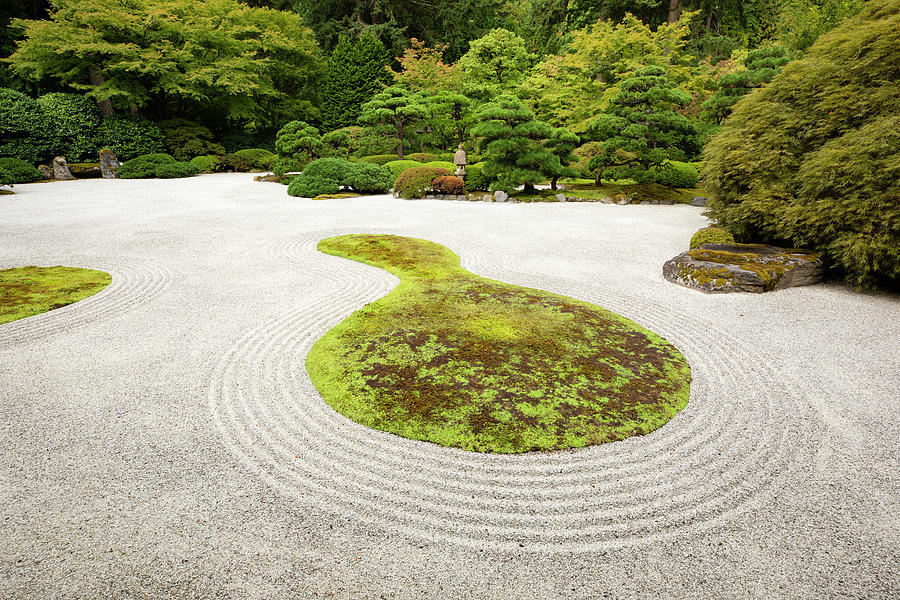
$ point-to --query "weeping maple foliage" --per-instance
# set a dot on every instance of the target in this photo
(813, 159)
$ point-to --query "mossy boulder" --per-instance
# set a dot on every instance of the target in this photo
(720, 268)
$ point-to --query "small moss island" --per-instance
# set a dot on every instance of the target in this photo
(455, 359)
(29, 291)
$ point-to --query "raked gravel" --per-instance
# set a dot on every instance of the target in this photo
(162, 440)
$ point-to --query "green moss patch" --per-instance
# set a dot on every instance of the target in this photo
(459, 360)
(29, 291)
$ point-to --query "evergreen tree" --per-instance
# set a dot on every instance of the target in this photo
(761, 66)
(511, 141)
(562, 143)
(494, 64)
(356, 70)
(642, 130)
(297, 143)
(397, 108)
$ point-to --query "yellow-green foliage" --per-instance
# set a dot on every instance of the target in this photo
(459, 360)
(711, 235)
(813, 159)
(29, 291)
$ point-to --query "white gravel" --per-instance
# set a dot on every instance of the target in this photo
(161, 439)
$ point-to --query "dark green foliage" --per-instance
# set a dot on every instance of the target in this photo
(305, 186)
(207, 164)
(129, 137)
(186, 139)
(562, 143)
(675, 173)
(813, 159)
(761, 67)
(237, 140)
(257, 159)
(367, 178)
(75, 119)
(380, 159)
(6, 177)
(20, 171)
(449, 184)
(511, 141)
(398, 166)
(327, 168)
(355, 141)
(357, 69)
(297, 143)
(416, 182)
(25, 130)
(711, 235)
(476, 179)
(641, 129)
(423, 157)
(287, 165)
(162, 166)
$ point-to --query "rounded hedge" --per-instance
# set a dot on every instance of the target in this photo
(422, 157)
(398, 166)
(379, 159)
(306, 186)
(711, 235)
(75, 119)
(416, 182)
(186, 139)
(162, 166)
(19, 170)
(207, 164)
(449, 184)
(476, 179)
(368, 178)
(676, 174)
(25, 130)
(813, 159)
(130, 136)
(258, 158)
(328, 168)
(441, 164)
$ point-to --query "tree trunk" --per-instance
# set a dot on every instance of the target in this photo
(553, 182)
(96, 81)
(400, 140)
(709, 18)
(674, 11)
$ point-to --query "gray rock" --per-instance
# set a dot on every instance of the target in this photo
(719, 268)
(46, 171)
(647, 202)
(622, 200)
(500, 196)
(109, 164)
(560, 197)
(698, 201)
(61, 169)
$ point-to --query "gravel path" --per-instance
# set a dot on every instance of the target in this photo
(162, 440)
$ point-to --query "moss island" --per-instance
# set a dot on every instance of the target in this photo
(459, 360)
(29, 291)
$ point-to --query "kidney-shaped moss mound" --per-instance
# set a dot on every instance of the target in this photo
(29, 291)
(459, 360)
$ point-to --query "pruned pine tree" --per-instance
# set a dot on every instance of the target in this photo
(398, 109)
(761, 66)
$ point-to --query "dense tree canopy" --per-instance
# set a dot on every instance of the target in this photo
(813, 159)
(398, 109)
(357, 69)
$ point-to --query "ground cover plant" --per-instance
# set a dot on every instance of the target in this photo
(459, 360)
(29, 291)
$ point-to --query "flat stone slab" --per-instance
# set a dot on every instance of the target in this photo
(722, 268)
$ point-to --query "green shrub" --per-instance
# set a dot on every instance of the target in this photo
(258, 158)
(129, 137)
(207, 164)
(416, 182)
(6, 177)
(379, 159)
(449, 184)
(235, 140)
(423, 157)
(476, 179)
(328, 168)
(711, 235)
(812, 160)
(186, 139)
(368, 178)
(284, 165)
(75, 119)
(398, 166)
(677, 174)
(25, 130)
(305, 186)
(162, 166)
(441, 164)
(19, 170)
